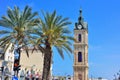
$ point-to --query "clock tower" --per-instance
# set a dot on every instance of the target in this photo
(81, 49)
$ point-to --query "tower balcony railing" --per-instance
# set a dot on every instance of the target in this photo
(77, 43)
(81, 64)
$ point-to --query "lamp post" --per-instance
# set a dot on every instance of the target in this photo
(118, 75)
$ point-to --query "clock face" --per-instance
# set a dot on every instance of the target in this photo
(79, 26)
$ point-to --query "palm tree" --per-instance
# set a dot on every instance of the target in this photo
(17, 26)
(52, 32)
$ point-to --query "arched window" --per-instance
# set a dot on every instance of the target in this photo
(79, 76)
(79, 38)
(79, 57)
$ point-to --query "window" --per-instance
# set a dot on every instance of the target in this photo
(79, 76)
(79, 57)
(79, 38)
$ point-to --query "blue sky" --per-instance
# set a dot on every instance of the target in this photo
(103, 17)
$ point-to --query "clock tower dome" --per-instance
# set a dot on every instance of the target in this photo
(81, 49)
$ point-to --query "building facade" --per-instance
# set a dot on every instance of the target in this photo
(33, 62)
(81, 49)
(6, 61)
(9, 58)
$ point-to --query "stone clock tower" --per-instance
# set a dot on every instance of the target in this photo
(81, 49)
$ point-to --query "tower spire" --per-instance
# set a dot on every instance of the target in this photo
(81, 24)
(80, 19)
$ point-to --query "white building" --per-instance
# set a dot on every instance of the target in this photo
(9, 58)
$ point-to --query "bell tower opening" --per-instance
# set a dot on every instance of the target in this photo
(79, 57)
(79, 38)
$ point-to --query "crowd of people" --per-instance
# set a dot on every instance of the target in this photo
(30, 75)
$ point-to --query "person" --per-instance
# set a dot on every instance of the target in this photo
(27, 76)
(37, 76)
(22, 75)
(33, 76)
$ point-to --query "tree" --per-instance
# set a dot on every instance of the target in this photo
(17, 25)
(52, 32)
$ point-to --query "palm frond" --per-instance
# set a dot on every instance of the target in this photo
(16, 13)
(26, 50)
(63, 20)
(34, 49)
(4, 32)
(6, 46)
(41, 49)
(66, 50)
(6, 22)
(5, 40)
(68, 47)
(59, 49)
(11, 15)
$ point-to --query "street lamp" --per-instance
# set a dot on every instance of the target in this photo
(118, 75)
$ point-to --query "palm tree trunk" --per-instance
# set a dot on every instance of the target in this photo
(47, 63)
(19, 52)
